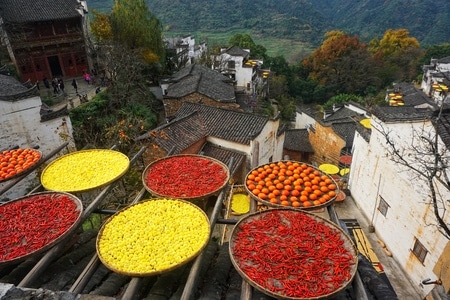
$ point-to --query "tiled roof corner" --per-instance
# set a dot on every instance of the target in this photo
(178, 134)
(400, 113)
(237, 51)
(226, 124)
(195, 69)
(224, 155)
(297, 140)
(22, 11)
(346, 130)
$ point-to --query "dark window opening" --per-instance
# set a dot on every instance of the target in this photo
(419, 251)
(383, 206)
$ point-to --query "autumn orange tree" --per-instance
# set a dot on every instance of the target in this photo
(343, 64)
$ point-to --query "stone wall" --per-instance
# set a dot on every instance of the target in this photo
(327, 145)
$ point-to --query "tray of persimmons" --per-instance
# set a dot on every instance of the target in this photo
(291, 184)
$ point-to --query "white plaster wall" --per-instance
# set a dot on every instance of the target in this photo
(243, 74)
(230, 145)
(303, 120)
(21, 126)
(443, 67)
(409, 216)
(264, 148)
(267, 141)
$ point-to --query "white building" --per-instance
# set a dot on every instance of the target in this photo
(184, 50)
(436, 79)
(395, 199)
(25, 124)
(236, 63)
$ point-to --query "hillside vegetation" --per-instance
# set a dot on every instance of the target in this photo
(290, 27)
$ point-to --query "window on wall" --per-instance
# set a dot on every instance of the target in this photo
(419, 251)
(383, 206)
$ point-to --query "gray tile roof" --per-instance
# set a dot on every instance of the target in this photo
(10, 86)
(224, 155)
(443, 127)
(195, 69)
(346, 130)
(400, 113)
(21, 11)
(237, 51)
(226, 124)
(341, 114)
(417, 105)
(411, 95)
(179, 134)
(203, 84)
(444, 60)
(297, 140)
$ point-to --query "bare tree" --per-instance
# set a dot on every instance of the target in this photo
(427, 157)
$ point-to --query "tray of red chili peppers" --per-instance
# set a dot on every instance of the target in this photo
(293, 254)
(291, 184)
(34, 223)
(185, 176)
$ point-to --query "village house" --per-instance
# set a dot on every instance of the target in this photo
(297, 146)
(436, 79)
(183, 51)
(249, 139)
(27, 123)
(199, 84)
(45, 38)
(392, 196)
(246, 73)
(331, 132)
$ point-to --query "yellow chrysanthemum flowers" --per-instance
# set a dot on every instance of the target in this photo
(153, 236)
(84, 170)
(240, 203)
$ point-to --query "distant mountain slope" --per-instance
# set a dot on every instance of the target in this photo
(293, 19)
(426, 20)
(303, 20)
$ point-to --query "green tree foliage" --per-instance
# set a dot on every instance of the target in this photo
(245, 41)
(397, 54)
(130, 52)
(433, 51)
(342, 98)
(98, 123)
(342, 64)
(134, 26)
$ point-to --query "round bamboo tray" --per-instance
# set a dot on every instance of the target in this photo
(84, 170)
(293, 186)
(257, 254)
(238, 209)
(38, 227)
(180, 185)
(24, 171)
(151, 237)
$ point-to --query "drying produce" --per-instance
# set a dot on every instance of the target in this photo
(84, 170)
(35, 222)
(185, 176)
(15, 162)
(291, 184)
(240, 203)
(153, 236)
(292, 254)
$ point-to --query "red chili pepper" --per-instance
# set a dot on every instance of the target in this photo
(31, 223)
(185, 176)
(292, 254)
